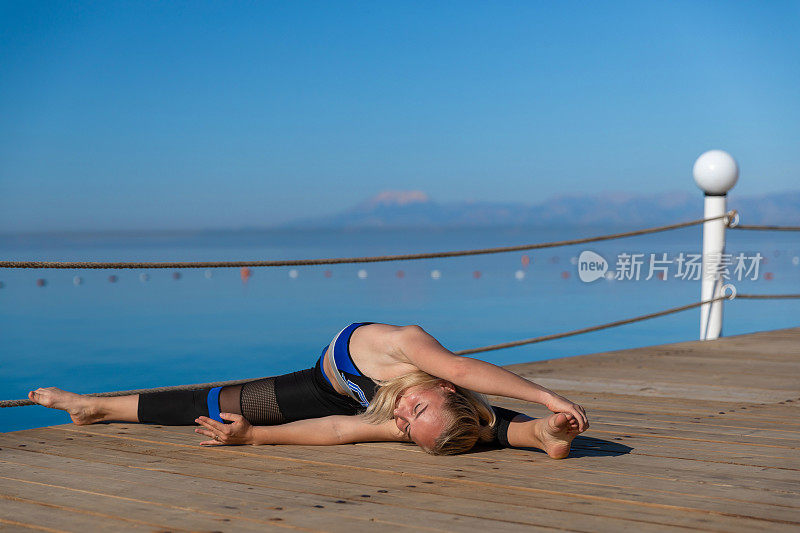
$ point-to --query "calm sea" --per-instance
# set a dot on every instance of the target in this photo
(210, 325)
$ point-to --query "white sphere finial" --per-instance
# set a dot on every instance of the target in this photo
(716, 172)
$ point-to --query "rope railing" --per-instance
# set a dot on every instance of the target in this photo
(21, 403)
(589, 329)
(728, 217)
(765, 228)
(767, 296)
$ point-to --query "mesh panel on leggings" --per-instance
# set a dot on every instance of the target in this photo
(258, 402)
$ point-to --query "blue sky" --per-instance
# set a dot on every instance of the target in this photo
(142, 115)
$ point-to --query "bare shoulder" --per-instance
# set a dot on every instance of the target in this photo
(375, 350)
(377, 338)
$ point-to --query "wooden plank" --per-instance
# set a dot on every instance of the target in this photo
(166, 504)
(764, 414)
(395, 483)
(360, 489)
(20, 513)
(656, 388)
(422, 519)
(365, 449)
(710, 425)
(320, 470)
(644, 444)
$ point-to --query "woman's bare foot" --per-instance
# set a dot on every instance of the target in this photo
(82, 409)
(556, 434)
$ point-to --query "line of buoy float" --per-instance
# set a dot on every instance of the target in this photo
(246, 273)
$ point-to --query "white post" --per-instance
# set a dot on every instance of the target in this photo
(715, 172)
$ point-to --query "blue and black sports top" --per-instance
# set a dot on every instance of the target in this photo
(362, 386)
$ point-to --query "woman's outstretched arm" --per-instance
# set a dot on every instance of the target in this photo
(423, 351)
(325, 431)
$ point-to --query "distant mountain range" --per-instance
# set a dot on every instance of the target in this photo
(415, 209)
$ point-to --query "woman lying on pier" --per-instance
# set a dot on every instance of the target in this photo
(373, 382)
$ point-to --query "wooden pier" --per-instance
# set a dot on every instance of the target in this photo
(688, 436)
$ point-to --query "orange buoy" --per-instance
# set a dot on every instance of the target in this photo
(328, 273)
(41, 282)
(565, 274)
(768, 276)
(245, 274)
(476, 274)
(176, 275)
(401, 274)
(112, 278)
(526, 260)
(661, 276)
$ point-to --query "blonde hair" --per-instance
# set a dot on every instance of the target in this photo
(468, 416)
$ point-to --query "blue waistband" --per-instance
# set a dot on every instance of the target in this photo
(213, 404)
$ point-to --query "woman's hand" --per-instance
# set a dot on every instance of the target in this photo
(559, 404)
(239, 432)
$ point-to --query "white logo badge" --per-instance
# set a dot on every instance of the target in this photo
(591, 266)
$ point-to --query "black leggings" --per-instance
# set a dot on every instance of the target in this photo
(263, 402)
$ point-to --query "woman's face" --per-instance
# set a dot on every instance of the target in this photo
(418, 413)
